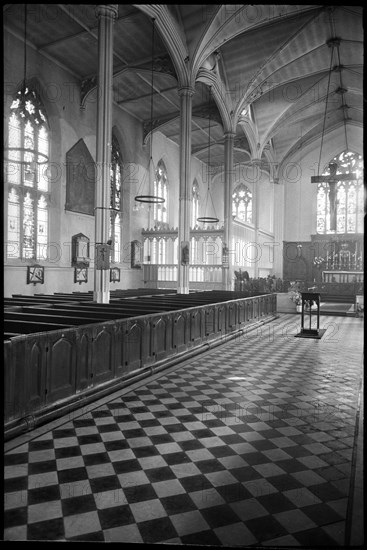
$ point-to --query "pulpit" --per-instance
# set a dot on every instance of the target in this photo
(310, 309)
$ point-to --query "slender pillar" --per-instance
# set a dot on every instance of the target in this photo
(256, 214)
(185, 94)
(227, 272)
(106, 15)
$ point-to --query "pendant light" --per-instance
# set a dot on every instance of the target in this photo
(17, 155)
(333, 177)
(331, 45)
(141, 198)
(206, 218)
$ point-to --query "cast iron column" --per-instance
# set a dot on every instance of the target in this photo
(227, 272)
(185, 94)
(106, 15)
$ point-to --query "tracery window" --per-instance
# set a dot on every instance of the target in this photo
(26, 177)
(350, 197)
(242, 203)
(115, 199)
(161, 190)
(195, 203)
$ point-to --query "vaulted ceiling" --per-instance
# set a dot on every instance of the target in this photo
(268, 73)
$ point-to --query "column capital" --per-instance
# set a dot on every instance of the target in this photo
(229, 135)
(107, 10)
(256, 162)
(186, 91)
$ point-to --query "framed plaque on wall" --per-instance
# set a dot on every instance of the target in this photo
(35, 274)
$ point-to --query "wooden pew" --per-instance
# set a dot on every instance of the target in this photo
(50, 318)
(29, 327)
(88, 315)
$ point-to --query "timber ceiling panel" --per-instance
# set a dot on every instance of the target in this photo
(256, 48)
(41, 23)
(133, 90)
(133, 40)
(274, 58)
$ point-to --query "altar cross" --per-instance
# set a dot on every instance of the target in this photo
(332, 180)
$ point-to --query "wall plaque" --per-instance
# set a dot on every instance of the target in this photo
(35, 274)
(80, 179)
(185, 252)
(103, 252)
(136, 253)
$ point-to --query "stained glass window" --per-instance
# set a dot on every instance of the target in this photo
(26, 176)
(115, 199)
(160, 189)
(242, 203)
(350, 197)
(13, 223)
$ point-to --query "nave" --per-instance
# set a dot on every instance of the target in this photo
(255, 443)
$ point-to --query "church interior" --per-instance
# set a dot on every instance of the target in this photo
(183, 286)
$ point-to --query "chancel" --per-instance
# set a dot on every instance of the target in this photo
(183, 274)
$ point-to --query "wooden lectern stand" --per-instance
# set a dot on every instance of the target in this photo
(308, 300)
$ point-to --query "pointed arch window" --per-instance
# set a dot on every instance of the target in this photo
(242, 203)
(26, 177)
(116, 199)
(195, 203)
(350, 197)
(160, 189)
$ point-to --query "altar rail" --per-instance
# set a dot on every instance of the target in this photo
(47, 375)
(334, 291)
(343, 276)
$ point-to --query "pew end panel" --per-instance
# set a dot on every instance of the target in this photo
(179, 332)
(102, 353)
(83, 345)
(134, 335)
(61, 365)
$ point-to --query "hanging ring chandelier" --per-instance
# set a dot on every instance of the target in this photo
(205, 218)
(150, 199)
(42, 158)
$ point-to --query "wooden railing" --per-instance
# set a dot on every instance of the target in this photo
(46, 375)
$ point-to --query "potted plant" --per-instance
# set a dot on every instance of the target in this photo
(296, 297)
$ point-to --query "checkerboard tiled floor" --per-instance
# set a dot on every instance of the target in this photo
(251, 443)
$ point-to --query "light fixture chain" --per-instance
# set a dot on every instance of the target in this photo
(151, 97)
(25, 47)
(205, 218)
(343, 103)
(150, 199)
(209, 142)
(326, 104)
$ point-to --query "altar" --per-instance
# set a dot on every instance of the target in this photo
(334, 276)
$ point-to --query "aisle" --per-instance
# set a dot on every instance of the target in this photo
(249, 444)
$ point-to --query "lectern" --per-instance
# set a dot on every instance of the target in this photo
(310, 299)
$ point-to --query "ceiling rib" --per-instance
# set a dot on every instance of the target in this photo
(279, 50)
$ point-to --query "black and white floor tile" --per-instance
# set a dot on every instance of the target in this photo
(250, 444)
